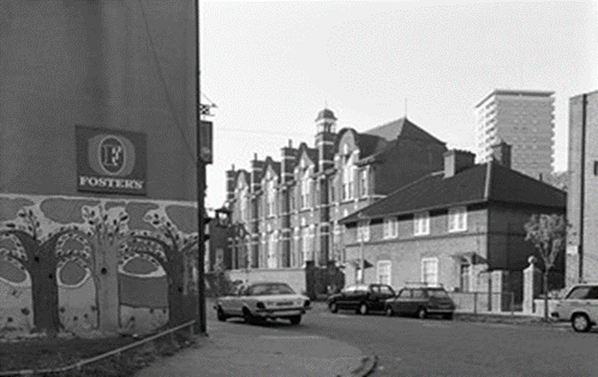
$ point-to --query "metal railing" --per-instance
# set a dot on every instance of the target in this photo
(484, 302)
(77, 366)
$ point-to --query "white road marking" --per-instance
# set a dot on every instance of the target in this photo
(433, 324)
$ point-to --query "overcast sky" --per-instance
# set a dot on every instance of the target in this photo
(271, 66)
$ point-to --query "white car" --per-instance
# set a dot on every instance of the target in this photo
(580, 306)
(260, 301)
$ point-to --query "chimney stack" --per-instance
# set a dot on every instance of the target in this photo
(457, 160)
(501, 153)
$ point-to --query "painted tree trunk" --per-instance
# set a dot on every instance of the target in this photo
(44, 291)
(106, 279)
(176, 283)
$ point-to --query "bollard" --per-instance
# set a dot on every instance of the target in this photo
(475, 302)
(512, 303)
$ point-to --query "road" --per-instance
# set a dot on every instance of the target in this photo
(435, 347)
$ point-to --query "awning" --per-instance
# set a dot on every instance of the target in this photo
(356, 263)
(470, 257)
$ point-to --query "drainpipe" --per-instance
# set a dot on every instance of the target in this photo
(582, 185)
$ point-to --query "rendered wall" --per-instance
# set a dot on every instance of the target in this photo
(85, 265)
(124, 65)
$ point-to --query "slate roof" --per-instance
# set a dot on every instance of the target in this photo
(369, 144)
(489, 182)
(402, 128)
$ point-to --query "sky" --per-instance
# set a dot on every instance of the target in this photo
(271, 66)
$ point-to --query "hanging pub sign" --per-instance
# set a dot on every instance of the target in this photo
(111, 161)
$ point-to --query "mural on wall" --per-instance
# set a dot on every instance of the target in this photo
(75, 264)
(171, 248)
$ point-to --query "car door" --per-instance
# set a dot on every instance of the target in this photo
(343, 298)
(419, 298)
(592, 303)
(374, 298)
(401, 303)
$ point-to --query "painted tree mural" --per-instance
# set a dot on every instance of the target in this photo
(24, 242)
(174, 251)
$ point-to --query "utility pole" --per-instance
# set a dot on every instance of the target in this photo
(201, 327)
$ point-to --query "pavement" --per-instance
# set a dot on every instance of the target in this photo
(234, 348)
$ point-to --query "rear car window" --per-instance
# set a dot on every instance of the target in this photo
(579, 293)
(437, 293)
(270, 289)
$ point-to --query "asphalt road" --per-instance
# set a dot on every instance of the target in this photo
(436, 347)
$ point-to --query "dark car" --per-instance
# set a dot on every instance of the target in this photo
(362, 298)
(421, 302)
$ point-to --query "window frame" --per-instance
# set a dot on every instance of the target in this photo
(363, 231)
(457, 219)
(387, 265)
(390, 227)
(424, 273)
(421, 223)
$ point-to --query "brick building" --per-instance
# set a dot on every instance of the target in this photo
(286, 212)
(451, 226)
(582, 205)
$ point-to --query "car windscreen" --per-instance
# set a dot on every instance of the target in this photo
(270, 289)
(437, 293)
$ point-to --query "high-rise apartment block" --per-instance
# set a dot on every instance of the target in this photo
(523, 119)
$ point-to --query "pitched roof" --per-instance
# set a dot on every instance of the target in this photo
(369, 144)
(489, 182)
(402, 128)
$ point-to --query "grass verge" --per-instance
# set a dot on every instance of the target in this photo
(42, 353)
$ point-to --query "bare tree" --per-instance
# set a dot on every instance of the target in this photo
(547, 233)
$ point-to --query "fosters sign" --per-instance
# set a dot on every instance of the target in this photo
(110, 161)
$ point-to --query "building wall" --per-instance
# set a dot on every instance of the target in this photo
(407, 251)
(523, 119)
(508, 249)
(69, 62)
(582, 201)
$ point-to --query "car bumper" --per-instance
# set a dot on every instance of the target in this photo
(280, 313)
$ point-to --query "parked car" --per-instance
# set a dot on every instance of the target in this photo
(362, 298)
(261, 301)
(580, 306)
(421, 302)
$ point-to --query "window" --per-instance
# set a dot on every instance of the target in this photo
(391, 227)
(363, 183)
(457, 219)
(405, 293)
(305, 191)
(348, 182)
(465, 277)
(271, 201)
(430, 270)
(421, 224)
(383, 272)
(363, 232)
(579, 293)
(418, 293)
(271, 262)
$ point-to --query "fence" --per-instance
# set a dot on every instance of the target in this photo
(485, 302)
(116, 352)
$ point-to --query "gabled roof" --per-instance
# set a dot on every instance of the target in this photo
(242, 173)
(311, 153)
(403, 128)
(270, 163)
(489, 182)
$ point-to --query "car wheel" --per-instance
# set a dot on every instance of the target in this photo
(389, 311)
(221, 316)
(421, 313)
(362, 309)
(448, 316)
(581, 323)
(295, 320)
(333, 307)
